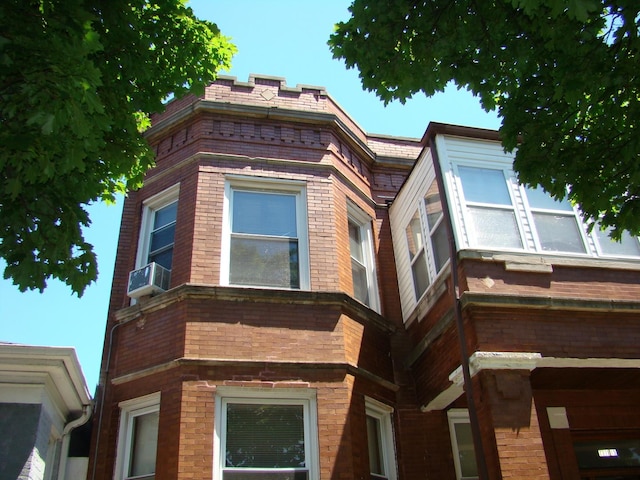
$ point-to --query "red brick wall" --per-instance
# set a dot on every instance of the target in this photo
(592, 413)
(564, 282)
(187, 416)
(558, 333)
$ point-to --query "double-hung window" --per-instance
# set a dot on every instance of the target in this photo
(558, 227)
(436, 227)
(362, 259)
(380, 440)
(138, 438)
(490, 211)
(163, 235)
(158, 230)
(269, 435)
(417, 255)
(500, 214)
(427, 241)
(464, 455)
(266, 240)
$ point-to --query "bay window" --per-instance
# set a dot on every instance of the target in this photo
(427, 242)
(417, 255)
(362, 258)
(138, 438)
(265, 244)
(157, 233)
(436, 227)
(558, 227)
(263, 434)
(380, 440)
(464, 455)
(490, 211)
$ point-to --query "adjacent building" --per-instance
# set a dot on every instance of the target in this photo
(44, 407)
(292, 295)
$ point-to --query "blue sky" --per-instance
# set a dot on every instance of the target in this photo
(282, 38)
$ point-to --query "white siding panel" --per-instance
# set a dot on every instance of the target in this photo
(400, 213)
(452, 187)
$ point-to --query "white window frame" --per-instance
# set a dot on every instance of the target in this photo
(129, 410)
(296, 188)
(472, 235)
(430, 231)
(427, 231)
(419, 253)
(574, 213)
(457, 416)
(150, 206)
(305, 397)
(382, 413)
(363, 222)
(455, 152)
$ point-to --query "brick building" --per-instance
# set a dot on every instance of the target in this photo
(302, 317)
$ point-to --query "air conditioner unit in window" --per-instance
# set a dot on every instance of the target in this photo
(152, 278)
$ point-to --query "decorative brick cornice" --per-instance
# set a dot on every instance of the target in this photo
(325, 119)
(264, 112)
(316, 167)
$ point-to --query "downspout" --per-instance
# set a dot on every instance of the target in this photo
(102, 396)
(455, 293)
(66, 435)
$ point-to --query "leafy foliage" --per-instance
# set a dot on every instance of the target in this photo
(562, 74)
(78, 79)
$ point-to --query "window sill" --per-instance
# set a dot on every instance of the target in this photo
(354, 308)
(544, 263)
(431, 295)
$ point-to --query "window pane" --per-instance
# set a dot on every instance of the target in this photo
(144, 442)
(266, 262)
(538, 198)
(355, 242)
(420, 275)
(628, 245)
(264, 213)
(376, 466)
(440, 246)
(162, 238)
(165, 215)
(265, 436)
(484, 185)
(466, 452)
(558, 233)
(360, 285)
(495, 228)
(414, 235)
(433, 205)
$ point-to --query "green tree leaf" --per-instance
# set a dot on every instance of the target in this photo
(562, 75)
(78, 81)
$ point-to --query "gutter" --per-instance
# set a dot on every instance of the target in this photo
(87, 410)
